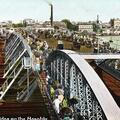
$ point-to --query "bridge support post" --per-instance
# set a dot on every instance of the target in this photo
(28, 82)
(27, 65)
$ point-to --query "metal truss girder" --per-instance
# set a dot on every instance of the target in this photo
(66, 66)
(84, 83)
(20, 49)
(11, 67)
(10, 84)
(58, 68)
(62, 72)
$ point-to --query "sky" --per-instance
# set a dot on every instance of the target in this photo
(74, 10)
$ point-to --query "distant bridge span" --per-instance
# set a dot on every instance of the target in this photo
(101, 56)
(79, 79)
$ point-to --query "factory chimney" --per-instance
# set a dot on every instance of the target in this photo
(51, 17)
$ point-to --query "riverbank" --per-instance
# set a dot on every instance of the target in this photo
(114, 41)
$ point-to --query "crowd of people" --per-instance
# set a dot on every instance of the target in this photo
(40, 50)
(40, 53)
(63, 105)
(78, 39)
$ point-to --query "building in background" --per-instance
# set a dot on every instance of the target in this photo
(6, 24)
(29, 22)
(85, 26)
(59, 24)
(116, 23)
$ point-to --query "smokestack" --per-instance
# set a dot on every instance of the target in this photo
(97, 19)
(51, 17)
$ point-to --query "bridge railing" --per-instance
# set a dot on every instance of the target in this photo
(16, 50)
(11, 46)
(11, 64)
(16, 72)
(10, 42)
(11, 78)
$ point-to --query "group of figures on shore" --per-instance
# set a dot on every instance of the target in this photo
(78, 39)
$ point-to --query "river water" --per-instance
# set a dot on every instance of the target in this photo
(116, 41)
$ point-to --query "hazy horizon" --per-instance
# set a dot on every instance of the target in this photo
(74, 10)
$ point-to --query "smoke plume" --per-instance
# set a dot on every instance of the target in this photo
(48, 1)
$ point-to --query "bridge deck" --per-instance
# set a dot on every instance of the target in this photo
(100, 56)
